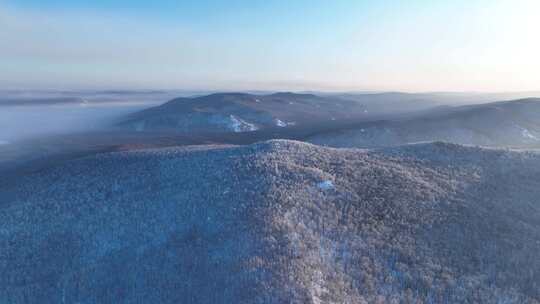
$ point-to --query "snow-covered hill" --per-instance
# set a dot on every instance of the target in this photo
(511, 123)
(240, 112)
(276, 222)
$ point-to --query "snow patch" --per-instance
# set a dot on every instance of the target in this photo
(421, 142)
(239, 125)
(326, 185)
(280, 123)
(527, 134)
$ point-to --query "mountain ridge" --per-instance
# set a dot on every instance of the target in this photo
(504, 123)
(241, 112)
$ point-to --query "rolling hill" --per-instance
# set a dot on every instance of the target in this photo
(240, 112)
(401, 102)
(510, 123)
(276, 222)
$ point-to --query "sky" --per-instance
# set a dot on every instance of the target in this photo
(339, 45)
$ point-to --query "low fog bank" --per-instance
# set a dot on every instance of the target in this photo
(30, 114)
(27, 122)
(47, 97)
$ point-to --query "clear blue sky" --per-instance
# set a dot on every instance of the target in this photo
(415, 45)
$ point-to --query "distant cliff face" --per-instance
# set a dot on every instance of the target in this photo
(238, 112)
(513, 123)
(276, 222)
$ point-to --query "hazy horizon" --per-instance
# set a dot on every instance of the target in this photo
(436, 46)
(25, 92)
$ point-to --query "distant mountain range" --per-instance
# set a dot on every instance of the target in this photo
(509, 123)
(399, 102)
(276, 222)
(240, 112)
(347, 121)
